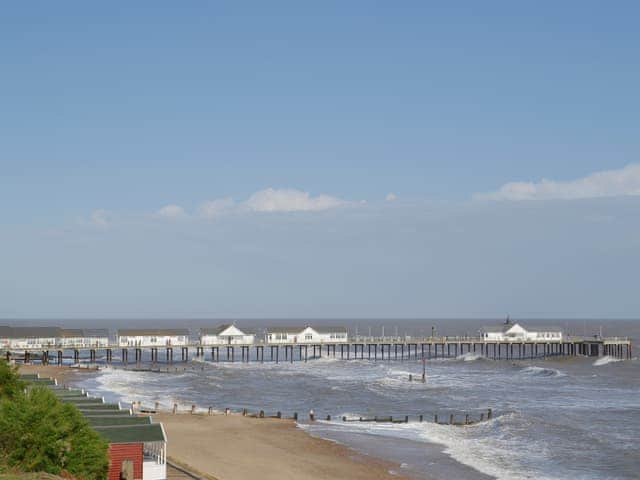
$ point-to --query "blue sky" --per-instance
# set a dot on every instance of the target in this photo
(281, 159)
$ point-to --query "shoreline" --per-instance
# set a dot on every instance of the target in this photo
(234, 447)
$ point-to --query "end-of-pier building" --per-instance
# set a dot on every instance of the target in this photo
(83, 338)
(29, 337)
(516, 332)
(226, 335)
(306, 335)
(158, 337)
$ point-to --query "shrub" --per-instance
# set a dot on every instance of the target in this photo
(10, 384)
(39, 433)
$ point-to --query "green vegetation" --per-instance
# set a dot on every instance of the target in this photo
(39, 433)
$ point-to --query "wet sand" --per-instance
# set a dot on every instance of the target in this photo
(236, 448)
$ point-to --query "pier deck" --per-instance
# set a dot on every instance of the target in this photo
(356, 349)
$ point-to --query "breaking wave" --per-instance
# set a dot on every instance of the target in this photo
(606, 360)
(470, 357)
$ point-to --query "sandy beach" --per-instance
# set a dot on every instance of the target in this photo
(236, 448)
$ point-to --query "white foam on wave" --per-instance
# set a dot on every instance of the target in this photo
(470, 357)
(606, 360)
(128, 386)
(478, 451)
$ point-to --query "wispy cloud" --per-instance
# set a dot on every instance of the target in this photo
(290, 200)
(171, 211)
(214, 208)
(391, 197)
(607, 183)
(100, 218)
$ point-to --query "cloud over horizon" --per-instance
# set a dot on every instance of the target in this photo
(607, 183)
(290, 200)
(100, 218)
(171, 211)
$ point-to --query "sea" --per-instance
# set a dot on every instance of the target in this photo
(552, 418)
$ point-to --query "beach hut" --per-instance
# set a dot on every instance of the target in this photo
(306, 334)
(136, 452)
(226, 335)
(516, 332)
(137, 447)
(159, 337)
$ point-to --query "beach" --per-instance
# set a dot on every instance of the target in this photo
(233, 447)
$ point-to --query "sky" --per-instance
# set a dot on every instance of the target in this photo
(327, 159)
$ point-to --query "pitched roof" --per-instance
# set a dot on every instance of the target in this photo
(149, 332)
(290, 329)
(330, 329)
(71, 332)
(95, 332)
(506, 326)
(221, 328)
(84, 332)
(30, 332)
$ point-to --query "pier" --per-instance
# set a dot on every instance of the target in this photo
(374, 349)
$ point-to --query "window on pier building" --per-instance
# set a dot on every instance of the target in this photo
(308, 336)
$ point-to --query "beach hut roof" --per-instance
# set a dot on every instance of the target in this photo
(132, 433)
(149, 332)
(91, 412)
(114, 420)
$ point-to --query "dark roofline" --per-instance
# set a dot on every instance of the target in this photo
(144, 332)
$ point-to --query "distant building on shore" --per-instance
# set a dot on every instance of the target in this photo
(158, 337)
(516, 332)
(226, 335)
(306, 334)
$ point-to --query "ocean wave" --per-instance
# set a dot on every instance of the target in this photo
(470, 357)
(542, 372)
(606, 360)
(467, 445)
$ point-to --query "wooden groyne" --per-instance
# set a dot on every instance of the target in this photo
(457, 418)
(366, 349)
